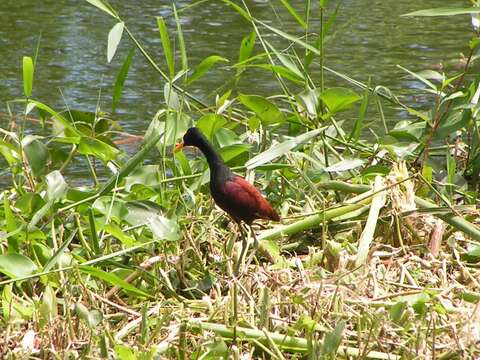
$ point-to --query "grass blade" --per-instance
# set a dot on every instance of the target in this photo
(104, 6)
(204, 66)
(27, 76)
(120, 80)
(181, 41)
(294, 13)
(167, 47)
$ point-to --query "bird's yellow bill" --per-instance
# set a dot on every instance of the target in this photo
(178, 147)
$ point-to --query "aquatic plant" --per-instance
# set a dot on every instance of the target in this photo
(377, 253)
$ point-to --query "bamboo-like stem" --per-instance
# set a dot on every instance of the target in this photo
(456, 221)
(284, 342)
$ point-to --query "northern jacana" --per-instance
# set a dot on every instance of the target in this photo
(231, 192)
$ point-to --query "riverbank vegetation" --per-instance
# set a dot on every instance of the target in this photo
(377, 254)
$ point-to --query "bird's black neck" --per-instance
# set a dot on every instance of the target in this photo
(215, 162)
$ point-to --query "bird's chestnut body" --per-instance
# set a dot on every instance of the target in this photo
(232, 193)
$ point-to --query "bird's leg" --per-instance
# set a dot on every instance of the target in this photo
(254, 249)
(244, 249)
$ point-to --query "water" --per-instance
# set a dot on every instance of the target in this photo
(370, 39)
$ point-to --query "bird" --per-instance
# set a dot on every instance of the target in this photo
(232, 193)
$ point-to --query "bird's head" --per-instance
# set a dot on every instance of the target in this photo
(193, 137)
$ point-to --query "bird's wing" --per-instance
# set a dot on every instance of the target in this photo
(247, 197)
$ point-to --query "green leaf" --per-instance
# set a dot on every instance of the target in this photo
(112, 279)
(281, 149)
(210, 124)
(246, 47)
(29, 203)
(115, 208)
(147, 145)
(230, 152)
(150, 214)
(216, 349)
(226, 137)
(37, 155)
(292, 12)
(345, 165)
(16, 265)
(57, 256)
(120, 80)
(172, 99)
(287, 62)
(238, 9)
(397, 310)
(48, 307)
(114, 37)
(333, 340)
(337, 99)
(163, 228)
(97, 148)
(56, 116)
(9, 152)
(167, 48)
(102, 6)
(11, 226)
(406, 130)
(283, 72)
(27, 76)
(308, 100)
(91, 317)
(473, 256)
(56, 186)
(451, 123)
(174, 126)
(292, 38)
(124, 353)
(181, 41)
(420, 77)
(358, 125)
(148, 175)
(263, 108)
(118, 233)
(444, 12)
(204, 66)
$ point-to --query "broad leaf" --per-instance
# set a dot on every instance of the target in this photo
(204, 66)
(114, 37)
(246, 47)
(163, 228)
(338, 99)
(37, 155)
(266, 111)
(56, 186)
(97, 148)
(210, 123)
(231, 152)
(16, 265)
(172, 99)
